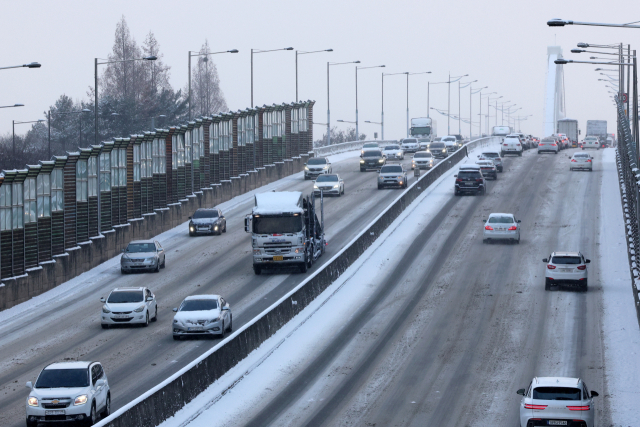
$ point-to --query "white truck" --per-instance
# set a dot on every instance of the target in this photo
(597, 128)
(501, 131)
(569, 127)
(424, 127)
(285, 230)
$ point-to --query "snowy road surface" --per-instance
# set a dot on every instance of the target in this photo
(433, 327)
(64, 322)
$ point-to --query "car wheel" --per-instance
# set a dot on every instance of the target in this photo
(164, 262)
(518, 241)
(520, 154)
(456, 193)
(191, 234)
(105, 326)
(157, 270)
(585, 286)
(571, 169)
(362, 170)
(224, 230)
(257, 270)
(155, 317)
(484, 241)
(146, 320)
(107, 408)
(223, 331)
(230, 328)
(547, 284)
(91, 419)
(32, 423)
(122, 271)
(303, 267)
(379, 187)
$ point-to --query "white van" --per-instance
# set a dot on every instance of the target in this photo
(511, 144)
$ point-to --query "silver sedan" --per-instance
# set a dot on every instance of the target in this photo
(581, 161)
(501, 226)
(329, 185)
(142, 255)
(202, 315)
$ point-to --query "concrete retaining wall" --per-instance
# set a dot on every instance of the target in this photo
(97, 250)
(164, 400)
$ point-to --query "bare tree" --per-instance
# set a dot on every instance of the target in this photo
(206, 94)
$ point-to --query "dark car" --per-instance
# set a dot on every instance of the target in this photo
(207, 221)
(372, 159)
(470, 180)
(439, 150)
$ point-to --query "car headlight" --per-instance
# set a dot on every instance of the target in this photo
(325, 167)
(80, 400)
(105, 309)
(381, 160)
(444, 150)
(192, 228)
(361, 161)
(315, 187)
(336, 186)
(176, 322)
(151, 259)
(139, 309)
(215, 228)
(32, 401)
(306, 168)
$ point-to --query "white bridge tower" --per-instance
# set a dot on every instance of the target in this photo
(554, 107)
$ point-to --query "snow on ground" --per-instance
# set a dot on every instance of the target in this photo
(620, 324)
(267, 368)
(69, 288)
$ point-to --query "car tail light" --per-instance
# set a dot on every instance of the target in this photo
(554, 144)
(488, 227)
(506, 145)
(518, 145)
(478, 179)
(532, 406)
(588, 160)
(551, 267)
(579, 408)
(582, 267)
(513, 228)
(458, 180)
(574, 160)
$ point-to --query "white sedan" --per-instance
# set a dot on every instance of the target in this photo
(129, 306)
(501, 226)
(202, 315)
(329, 185)
(581, 160)
(393, 152)
(557, 401)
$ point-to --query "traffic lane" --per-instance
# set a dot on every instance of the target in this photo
(474, 325)
(29, 346)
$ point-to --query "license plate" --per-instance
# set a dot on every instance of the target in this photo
(469, 184)
(566, 270)
(278, 258)
(58, 412)
(121, 316)
(556, 423)
(195, 328)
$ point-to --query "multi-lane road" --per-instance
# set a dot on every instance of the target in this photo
(451, 327)
(67, 325)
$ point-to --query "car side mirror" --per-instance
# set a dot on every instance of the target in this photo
(520, 392)
(189, 217)
(175, 309)
(30, 385)
(226, 307)
(103, 300)
(484, 220)
(305, 164)
(519, 221)
(455, 176)
(100, 383)
(588, 261)
(545, 260)
(122, 250)
(594, 393)
(149, 299)
(247, 223)
(221, 216)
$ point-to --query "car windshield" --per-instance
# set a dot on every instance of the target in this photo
(370, 145)
(418, 155)
(436, 145)
(409, 141)
(591, 139)
(449, 139)
(556, 393)
(485, 165)
(514, 139)
(490, 155)
(391, 169)
(277, 224)
(327, 178)
(372, 153)
(500, 220)
(63, 378)
(205, 213)
(581, 156)
(120, 297)
(141, 247)
(317, 161)
(392, 147)
(423, 139)
(468, 174)
(566, 259)
(199, 305)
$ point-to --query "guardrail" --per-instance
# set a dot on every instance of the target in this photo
(346, 146)
(629, 178)
(164, 400)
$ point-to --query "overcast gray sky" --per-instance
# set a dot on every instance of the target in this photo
(502, 44)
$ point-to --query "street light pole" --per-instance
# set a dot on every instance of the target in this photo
(261, 51)
(361, 68)
(13, 131)
(328, 109)
(201, 54)
(304, 53)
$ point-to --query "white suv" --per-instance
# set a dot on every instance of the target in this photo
(511, 144)
(566, 268)
(129, 305)
(69, 392)
(557, 401)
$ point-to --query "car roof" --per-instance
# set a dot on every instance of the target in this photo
(500, 214)
(142, 241)
(69, 365)
(566, 253)
(556, 381)
(470, 166)
(207, 209)
(132, 288)
(485, 162)
(424, 152)
(192, 297)
(490, 152)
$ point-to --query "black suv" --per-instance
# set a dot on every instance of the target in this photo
(470, 180)
(372, 159)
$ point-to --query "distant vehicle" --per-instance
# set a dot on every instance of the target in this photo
(511, 145)
(548, 145)
(524, 140)
(202, 315)
(422, 160)
(439, 150)
(329, 185)
(492, 155)
(459, 140)
(372, 159)
(424, 143)
(566, 268)
(559, 401)
(142, 255)
(392, 176)
(564, 141)
(69, 392)
(597, 128)
(501, 131)
(410, 145)
(451, 142)
(581, 161)
(488, 169)
(423, 127)
(609, 141)
(369, 146)
(591, 141)
(569, 127)
(129, 306)
(393, 151)
(501, 226)
(207, 221)
(469, 179)
(317, 166)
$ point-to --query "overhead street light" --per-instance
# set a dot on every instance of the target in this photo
(84, 110)
(471, 93)
(206, 54)
(30, 65)
(361, 68)
(329, 64)
(12, 106)
(13, 131)
(460, 102)
(562, 22)
(261, 51)
(305, 53)
(346, 121)
(449, 100)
